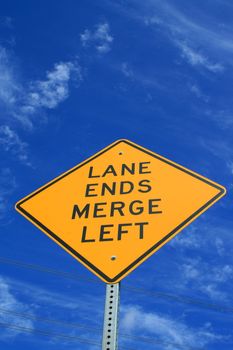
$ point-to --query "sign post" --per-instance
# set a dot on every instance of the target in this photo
(110, 329)
(114, 210)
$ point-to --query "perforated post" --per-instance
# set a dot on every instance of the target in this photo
(111, 317)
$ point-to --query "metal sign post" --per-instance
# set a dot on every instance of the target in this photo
(110, 329)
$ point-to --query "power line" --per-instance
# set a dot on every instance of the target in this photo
(48, 334)
(168, 296)
(49, 320)
(52, 334)
(97, 330)
(45, 269)
(181, 299)
(159, 342)
(83, 340)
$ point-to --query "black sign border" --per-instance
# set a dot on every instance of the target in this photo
(79, 256)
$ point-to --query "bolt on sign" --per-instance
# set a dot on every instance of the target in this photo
(115, 209)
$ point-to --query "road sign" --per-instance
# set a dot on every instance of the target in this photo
(115, 209)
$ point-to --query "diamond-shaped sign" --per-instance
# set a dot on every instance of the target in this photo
(114, 210)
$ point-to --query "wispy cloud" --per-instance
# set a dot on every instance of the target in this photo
(185, 24)
(223, 117)
(202, 42)
(6, 21)
(9, 87)
(60, 317)
(195, 89)
(168, 330)
(189, 239)
(11, 142)
(136, 76)
(9, 302)
(230, 166)
(126, 70)
(54, 89)
(48, 93)
(220, 246)
(210, 273)
(7, 187)
(208, 279)
(197, 58)
(65, 303)
(219, 148)
(100, 38)
(200, 237)
(27, 102)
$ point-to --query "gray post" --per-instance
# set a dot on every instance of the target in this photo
(110, 329)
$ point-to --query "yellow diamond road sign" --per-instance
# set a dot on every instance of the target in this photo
(115, 209)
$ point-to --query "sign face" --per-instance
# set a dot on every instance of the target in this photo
(115, 209)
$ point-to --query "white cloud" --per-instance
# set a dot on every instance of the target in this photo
(54, 89)
(167, 330)
(126, 70)
(35, 308)
(230, 166)
(213, 292)
(201, 41)
(28, 102)
(11, 142)
(7, 186)
(9, 87)
(223, 273)
(201, 237)
(48, 93)
(223, 118)
(9, 302)
(100, 38)
(196, 58)
(6, 21)
(220, 148)
(190, 271)
(195, 89)
(86, 36)
(208, 279)
(210, 276)
(149, 81)
(219, 244)
(37, 295)
(187, 239)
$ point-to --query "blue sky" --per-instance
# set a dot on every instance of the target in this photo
(74, 77)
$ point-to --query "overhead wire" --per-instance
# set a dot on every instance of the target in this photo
(168, 296)
(48, 334)
(48, 320)
(52, 334)
(55, 335)
(147, 340)
(45, 269)
(181, 299)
